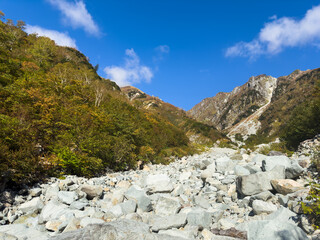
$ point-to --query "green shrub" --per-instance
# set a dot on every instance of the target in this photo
(304, 122)
(312, 207)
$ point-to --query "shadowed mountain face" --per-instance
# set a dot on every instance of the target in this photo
(263, 104)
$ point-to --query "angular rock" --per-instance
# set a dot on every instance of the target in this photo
(184, 176)
(275, 230)
(21, 231)
(283, 215)
(53, 210)
(53, 225)
(201, 202)
(35, 192)
(209, 171)
(163, 223)
(136, 194)
(88, 220)
(173, 234)
(264, 196)
(117, 196)
(224, 164)
(286, 186)
(122, 229)
(167, 206)
(259, 207)
(226, 223)
(32, 206)
(92, 191)
(67, 197)
(80, 205)
(5, 236)
(270, 162)
(129, 206)
(158, 183)
(259, 182)
(294, 170)
(115, 212)
(199, 217)
(241, 171)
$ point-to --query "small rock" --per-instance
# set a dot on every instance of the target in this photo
(294, 170)
(263, 207)
(158, 183)
(163, 223)
(167, 206)
(139, 196)
(67, 197)
(88, 220)
(199, 217)
(92, 191)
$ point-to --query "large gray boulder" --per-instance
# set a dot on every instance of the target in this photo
(21, 231)
(270, 162)
(138, 195)
(259, 182)
(122, 229)
(275, 230)
(163, 223)
(5, 236)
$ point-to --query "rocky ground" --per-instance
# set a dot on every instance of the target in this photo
(221, 194)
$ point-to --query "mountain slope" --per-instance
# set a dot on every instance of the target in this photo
(58, 116)
(196, 131)
(260, 106)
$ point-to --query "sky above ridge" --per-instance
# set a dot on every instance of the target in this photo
(180, 50)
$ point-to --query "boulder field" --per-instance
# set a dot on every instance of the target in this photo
(222, 194)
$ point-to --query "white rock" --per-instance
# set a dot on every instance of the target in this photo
(260, 206)
(158, 183)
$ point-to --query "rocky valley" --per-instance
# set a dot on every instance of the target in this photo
(221, 194)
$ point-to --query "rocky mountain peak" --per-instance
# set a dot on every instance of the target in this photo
(242, 110)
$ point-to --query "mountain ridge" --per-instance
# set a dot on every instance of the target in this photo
(246, 109)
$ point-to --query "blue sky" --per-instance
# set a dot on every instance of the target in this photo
(181, 50)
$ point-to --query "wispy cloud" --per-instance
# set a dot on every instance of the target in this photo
(62, 39)
(132, 72)
(279, 34)
(161, 51)
(76, 14)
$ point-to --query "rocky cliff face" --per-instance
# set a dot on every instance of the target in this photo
(258, 104)
(227, 109)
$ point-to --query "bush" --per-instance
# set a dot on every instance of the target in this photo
(279, 147)
(304, 122)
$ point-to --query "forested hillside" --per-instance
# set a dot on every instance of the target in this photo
(58, 116)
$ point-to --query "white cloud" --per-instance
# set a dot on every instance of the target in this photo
(62, 39)
(131, 73)
(280, 34)
(161, 51)
(77, 15)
